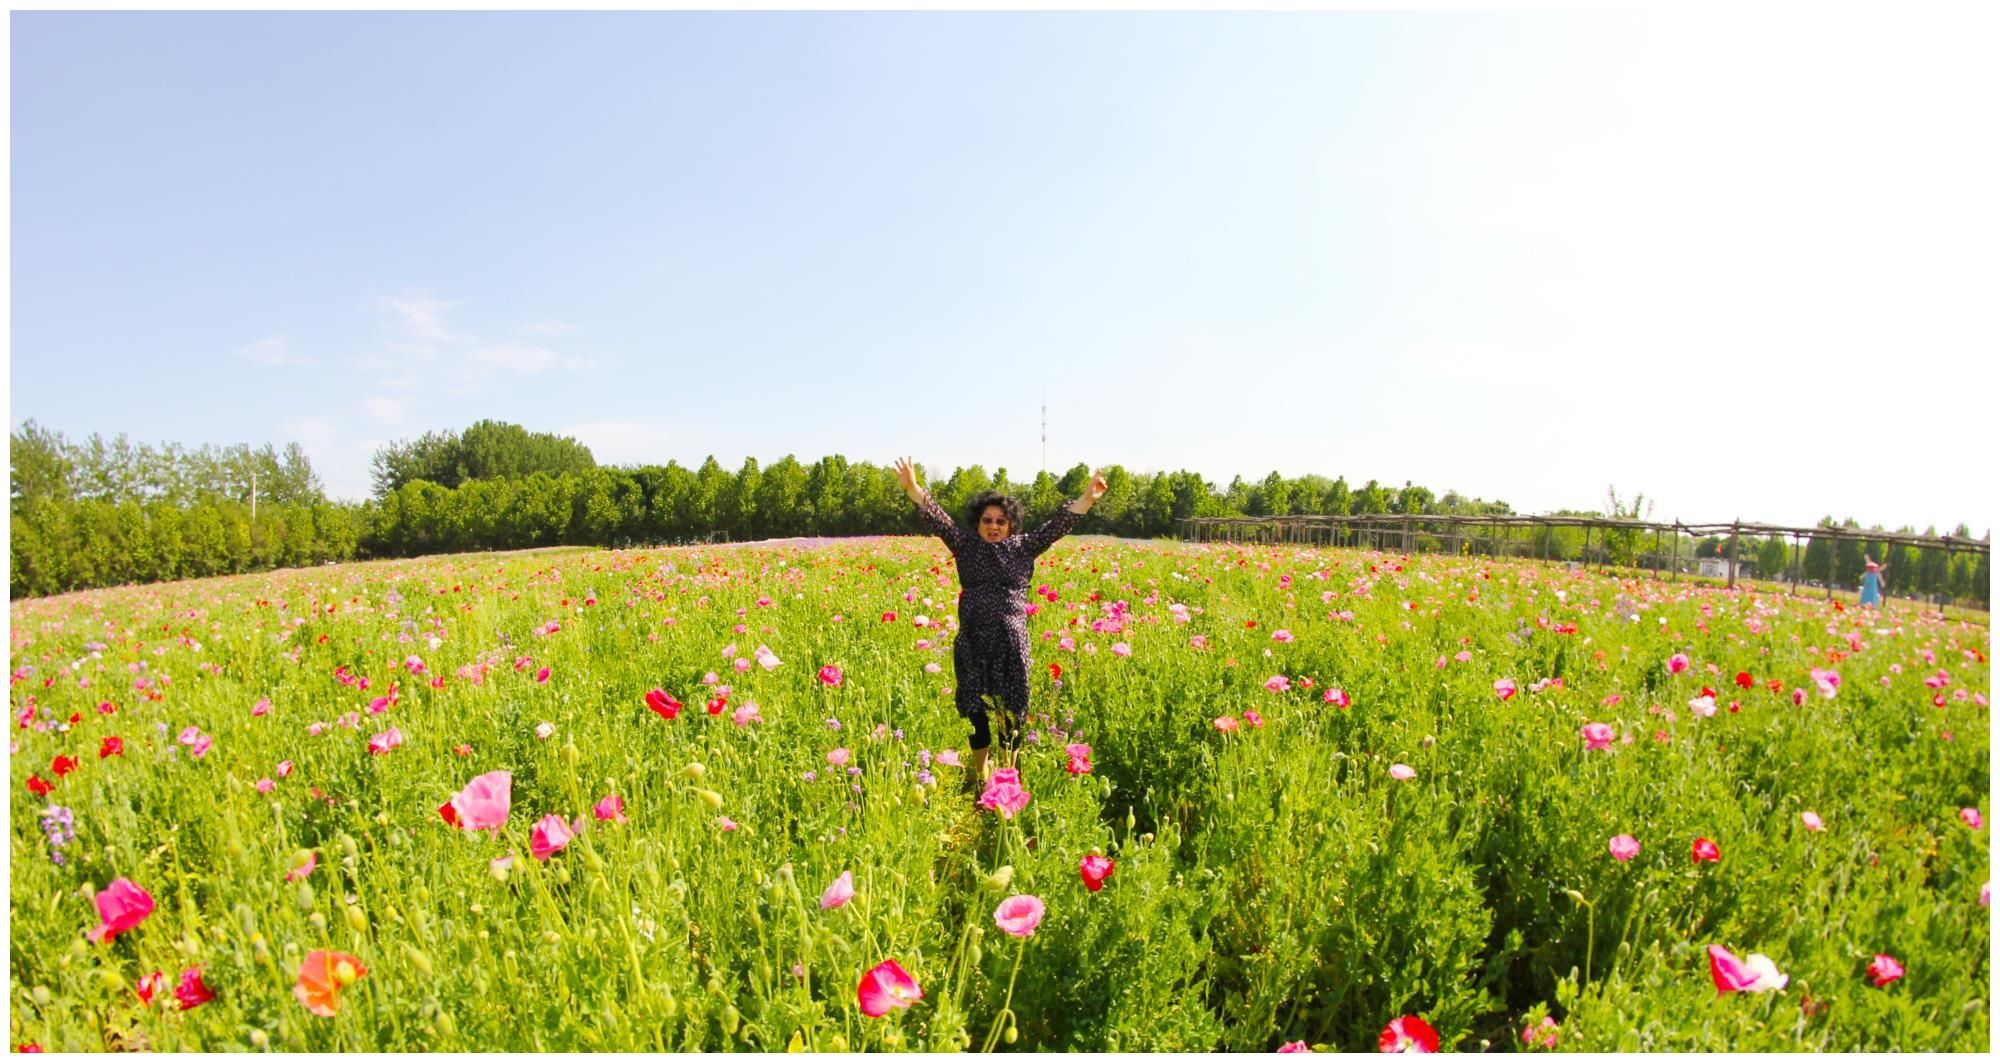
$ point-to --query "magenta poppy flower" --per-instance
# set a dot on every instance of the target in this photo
(1884, 969)
(484, 803)
(1971, 818)
(1705, 852)
(830, 675)
(1020, 914)
(885, 988)
(1290, 1047)
(611, 808)
(386, 741)
(1408, 1034)
(1503, 688)
(1336, 697)
(1598, 736)
(1095, 869)
(1277, 684)
(1624, 847)
(121, 906)
(550, 836)
(1677, 664)
(263, 706)
(839, 893)
(1753, 974)
(1544, 1035)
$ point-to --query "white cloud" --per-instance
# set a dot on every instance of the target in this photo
(518, 357)
(271, 350)
(386, 408)
(420, 314)
(624, 442)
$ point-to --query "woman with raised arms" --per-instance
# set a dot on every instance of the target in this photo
(995, 565)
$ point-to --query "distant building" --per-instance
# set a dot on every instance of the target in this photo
(1714, 567)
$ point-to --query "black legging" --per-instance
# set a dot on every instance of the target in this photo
(982, 733)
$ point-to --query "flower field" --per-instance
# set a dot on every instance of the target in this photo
(1270, 798)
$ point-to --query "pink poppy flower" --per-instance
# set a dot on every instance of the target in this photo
(1812, 821)
(1705, 852)
(1402, 772)
(1971, 818)
(386, 741)
(305, 869)
(1095, 869)
(830, 675)
(1753, 974)
(192, 992)
(550, 836)
(1827, 680)
(542, 676)
(150, 986)
(1986, 894)
(1293, 1046)
(840, 892)
(1281, 635)
(1004, 793)
(189, 734)
(837, 756)
(948, 758)
(1019, 915)
(1277, 684)
(612, 808)
(1703, 706)
(1079, 758)
(1503, 688)
(1598, 736)
(1336, 697)
(1624, 847)
(262, 707)
(1226, 724)
(885, 988)
(1884, 969)
(1121, 649)
(484, 803)
(1250, 717)
(121, 906)
(725, 823)
(1677, 664)
(200, 747)
(1798, 698)
(746, 714)
(265, 785)
(1544, 1035)
(1408, 1034)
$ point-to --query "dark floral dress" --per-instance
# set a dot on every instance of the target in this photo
(990, 654)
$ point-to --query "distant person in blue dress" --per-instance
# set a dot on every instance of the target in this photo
(1871, 582)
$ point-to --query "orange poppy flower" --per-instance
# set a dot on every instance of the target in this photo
(321, 978)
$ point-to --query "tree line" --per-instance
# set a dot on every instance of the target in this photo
(101, 513)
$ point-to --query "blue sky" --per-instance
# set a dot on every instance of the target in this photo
(1739, 263)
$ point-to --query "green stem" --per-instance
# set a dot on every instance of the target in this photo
(1006, 1016)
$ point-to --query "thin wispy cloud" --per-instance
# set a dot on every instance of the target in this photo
(273, 350)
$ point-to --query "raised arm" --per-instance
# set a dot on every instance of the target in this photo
(1065, 518)
(933, 515)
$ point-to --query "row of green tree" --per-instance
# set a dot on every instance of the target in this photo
(102, 513)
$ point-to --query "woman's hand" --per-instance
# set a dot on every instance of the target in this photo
(1092, 491)
(906, 472)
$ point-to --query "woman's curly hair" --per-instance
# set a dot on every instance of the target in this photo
(977, 508)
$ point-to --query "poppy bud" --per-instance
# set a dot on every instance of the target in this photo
(1131, 821)
(259, 1039)
(347, 848)
(694, 770)
(731, 1019)
(1574, 895)
(974, 953)
(417, 959)
(1000, 879)
(357, 920)
(318, 921)
(445, 1026)
(713, 799)
(111, 980)
(1011, 1034)
(570, 755)
(305, 895)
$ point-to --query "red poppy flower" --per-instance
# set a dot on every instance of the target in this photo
(663, 703)
(63, 765)
(1705, 852)
(192, 992)
(1055, 671)
(1744, 680)
(39, 786)
(1095, 869)
(113, 746)
(1409, 1034)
